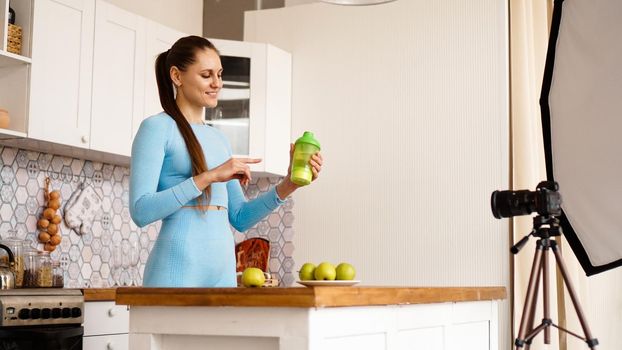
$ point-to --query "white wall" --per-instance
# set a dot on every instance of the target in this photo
(185, 16)
(410, 103)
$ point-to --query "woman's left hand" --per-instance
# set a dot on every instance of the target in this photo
(315, 162)
(286, 187)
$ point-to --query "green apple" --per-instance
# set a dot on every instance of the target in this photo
(253, 277)
(325, 271)
(306, 272)
(345, 271)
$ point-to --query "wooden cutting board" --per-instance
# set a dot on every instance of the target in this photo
(253, 252)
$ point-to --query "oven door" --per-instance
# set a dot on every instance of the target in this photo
(65, 337)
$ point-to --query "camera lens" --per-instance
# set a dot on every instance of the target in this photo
(505, 204)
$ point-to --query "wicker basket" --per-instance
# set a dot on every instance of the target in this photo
(14, 39)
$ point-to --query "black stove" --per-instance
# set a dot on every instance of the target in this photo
(41, 318)
(41, 306)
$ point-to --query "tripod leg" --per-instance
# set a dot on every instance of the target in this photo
(529, 298)
(545, 295)
(591, 342)
(534, 305)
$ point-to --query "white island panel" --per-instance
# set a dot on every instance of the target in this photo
(443, 326)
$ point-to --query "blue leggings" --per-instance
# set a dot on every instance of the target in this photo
(193, 249)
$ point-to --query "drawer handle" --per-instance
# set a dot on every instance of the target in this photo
(110, 346)
(84, 139)
(112, 312)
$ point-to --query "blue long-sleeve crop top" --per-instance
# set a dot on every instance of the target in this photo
(161, 175)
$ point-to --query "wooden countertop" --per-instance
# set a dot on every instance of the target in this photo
(303, 296)
(99, 294)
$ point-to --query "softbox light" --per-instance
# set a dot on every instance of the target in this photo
(581, 105)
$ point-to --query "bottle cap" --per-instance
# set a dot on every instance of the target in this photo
(307, 137)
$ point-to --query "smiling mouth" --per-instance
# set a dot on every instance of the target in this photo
(212, 94)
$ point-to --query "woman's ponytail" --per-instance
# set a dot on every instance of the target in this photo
(181, 55)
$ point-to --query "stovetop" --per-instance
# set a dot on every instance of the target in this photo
(40, 306)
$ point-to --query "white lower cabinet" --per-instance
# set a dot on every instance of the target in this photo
(106, 342)
(468, 325)
(106, 326)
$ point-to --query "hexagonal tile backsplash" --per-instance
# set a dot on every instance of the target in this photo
(87, 258)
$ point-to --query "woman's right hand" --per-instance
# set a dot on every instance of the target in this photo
(234, 168)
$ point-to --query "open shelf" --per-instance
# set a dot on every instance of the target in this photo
(10, 59)
(14, 80)
(11, 134)
(15, 68)
(23, 18)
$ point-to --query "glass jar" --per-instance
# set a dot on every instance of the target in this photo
(17, 248)
(44, 271)
(58, 275)
(31, 267)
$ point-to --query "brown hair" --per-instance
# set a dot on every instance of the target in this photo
(181, 55)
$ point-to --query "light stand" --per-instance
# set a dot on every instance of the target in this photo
(545, 227)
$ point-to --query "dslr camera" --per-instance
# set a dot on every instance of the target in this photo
(545, 200)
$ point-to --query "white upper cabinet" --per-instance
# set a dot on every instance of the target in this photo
(254, 107)
(62, 58)
(159, 39)
(118, 79)
(92, 81)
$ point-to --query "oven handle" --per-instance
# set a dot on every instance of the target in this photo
(39, 332)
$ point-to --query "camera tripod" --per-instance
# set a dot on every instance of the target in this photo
(545, 227)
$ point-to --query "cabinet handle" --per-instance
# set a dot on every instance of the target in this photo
(85, 139)
(112, 312)
(110, 346)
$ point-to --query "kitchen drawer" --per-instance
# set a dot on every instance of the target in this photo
(106, 342)
(104, 317)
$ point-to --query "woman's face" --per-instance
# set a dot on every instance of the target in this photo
(202, 80)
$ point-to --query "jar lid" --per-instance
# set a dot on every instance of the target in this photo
(308, 137)
(10, 234)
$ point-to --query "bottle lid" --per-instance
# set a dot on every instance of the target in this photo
(307, 137)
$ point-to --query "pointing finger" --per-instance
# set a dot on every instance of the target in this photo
(250, 160)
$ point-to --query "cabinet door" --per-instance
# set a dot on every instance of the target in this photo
(62, 56)
(118, 78)
(239, 114)
(106, 342)
(159, 39)
(254, 106)
(278, 110)
(104, 317)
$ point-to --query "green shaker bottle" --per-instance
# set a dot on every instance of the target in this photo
(305, 147)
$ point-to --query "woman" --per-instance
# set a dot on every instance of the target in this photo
(182, 173)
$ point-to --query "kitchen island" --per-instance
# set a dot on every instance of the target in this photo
(313, 318)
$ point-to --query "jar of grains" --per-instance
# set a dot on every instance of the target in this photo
(31, 266)
(44, 272)
(58, 275)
